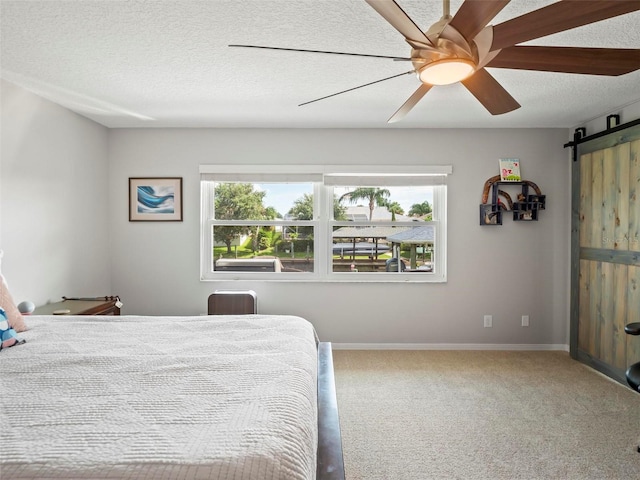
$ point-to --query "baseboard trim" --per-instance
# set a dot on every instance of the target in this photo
(452, 346)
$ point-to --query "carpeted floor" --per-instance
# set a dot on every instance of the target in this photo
(418, 415)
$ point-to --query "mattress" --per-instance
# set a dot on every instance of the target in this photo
(224, 397)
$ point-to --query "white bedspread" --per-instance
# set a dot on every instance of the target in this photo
(185, 398)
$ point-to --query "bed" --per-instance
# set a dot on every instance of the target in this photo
(132, 397)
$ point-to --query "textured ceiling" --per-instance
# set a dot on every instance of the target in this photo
(148, 63)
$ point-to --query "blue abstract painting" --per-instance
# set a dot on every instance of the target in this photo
(156, 199)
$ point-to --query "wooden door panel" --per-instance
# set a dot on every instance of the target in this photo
(605, 314)
(621, 171)
(608, 279)
(595, 308)
(584, 320)
(609, 299)
(633, 313)
(586, 199)
(634, 196)
(609, 198)
(620, 309)
(597, 200)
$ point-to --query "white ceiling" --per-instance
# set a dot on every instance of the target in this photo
(166, 63)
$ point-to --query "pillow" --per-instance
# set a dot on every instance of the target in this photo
(16, 321)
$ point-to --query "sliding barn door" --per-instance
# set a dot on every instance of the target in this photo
(606, 256)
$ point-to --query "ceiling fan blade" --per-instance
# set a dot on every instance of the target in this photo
(399, 20)
(355, 88)
(410, 103)
(558, 17)
(321, 51)
(490, 93)
(474, 15)
(588, 61)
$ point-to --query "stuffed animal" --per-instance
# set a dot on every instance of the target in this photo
(8, 336)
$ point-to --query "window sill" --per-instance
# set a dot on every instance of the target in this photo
(341, 278)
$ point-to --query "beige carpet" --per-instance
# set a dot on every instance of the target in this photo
(418, 415)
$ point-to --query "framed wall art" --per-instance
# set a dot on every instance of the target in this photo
(155, 199)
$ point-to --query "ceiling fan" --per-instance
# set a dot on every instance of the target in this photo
(459, 48)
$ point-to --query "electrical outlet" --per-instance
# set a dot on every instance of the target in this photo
(488, 321)
(525, 320)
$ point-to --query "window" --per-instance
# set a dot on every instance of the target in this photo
(324, 223)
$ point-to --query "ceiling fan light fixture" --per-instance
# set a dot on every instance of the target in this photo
(446, 71)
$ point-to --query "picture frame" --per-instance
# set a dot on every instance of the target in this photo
(155, 199)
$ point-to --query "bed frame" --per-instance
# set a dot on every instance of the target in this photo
(330, 459)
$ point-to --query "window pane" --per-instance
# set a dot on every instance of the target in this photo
(263, 201)
(375, 249)
(263, 248)
(383, 203)
(373, 244)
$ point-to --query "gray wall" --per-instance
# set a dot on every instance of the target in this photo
(53, 200)
(507, 271)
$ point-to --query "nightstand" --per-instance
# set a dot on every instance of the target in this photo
(97, 306)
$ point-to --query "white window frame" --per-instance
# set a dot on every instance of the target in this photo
(323, 178)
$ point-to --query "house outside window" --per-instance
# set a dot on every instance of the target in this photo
(323, 223)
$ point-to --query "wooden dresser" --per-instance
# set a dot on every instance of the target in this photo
(96, 306)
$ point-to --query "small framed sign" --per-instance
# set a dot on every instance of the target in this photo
(155, 199)
(510, 170)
